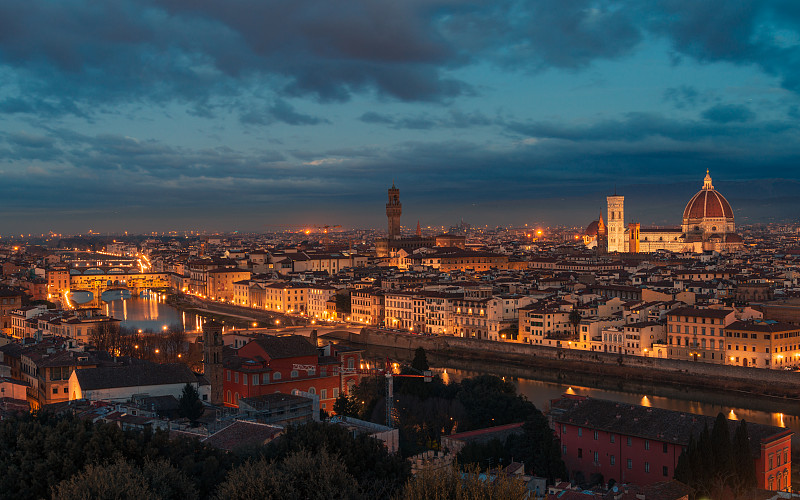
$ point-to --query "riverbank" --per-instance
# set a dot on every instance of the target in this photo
(782, 387)
(238, 316)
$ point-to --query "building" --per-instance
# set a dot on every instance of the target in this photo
(698, 334)
(288, 364)
(707, 225)
(638, 444)
(121, 383)
(212, 360)
(763, 344)
(10, 300)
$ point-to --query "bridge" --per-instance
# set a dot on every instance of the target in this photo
(98, 280)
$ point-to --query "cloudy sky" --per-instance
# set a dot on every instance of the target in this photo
(145, 115)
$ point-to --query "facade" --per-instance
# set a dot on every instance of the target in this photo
(698, 334)
(616, 223)
(763, 344)
(220, 282)
(212, 360)
(707, 225)
(637, 444)
(288, 364)
(121, 383)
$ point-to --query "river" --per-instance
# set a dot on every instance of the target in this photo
(541, 386)
(148, 312)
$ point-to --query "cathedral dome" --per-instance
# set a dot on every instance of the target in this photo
(591, 230)
(707, 204)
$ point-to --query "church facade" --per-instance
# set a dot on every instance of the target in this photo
(708, 225)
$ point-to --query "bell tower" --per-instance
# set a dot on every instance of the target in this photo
(393, 210)
(212, 360)
(616, 223)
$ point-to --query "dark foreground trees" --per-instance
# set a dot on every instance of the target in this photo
(64, 457)
(716, 466)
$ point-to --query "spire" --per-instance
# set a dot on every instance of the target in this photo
(707, 182)
(419, 230)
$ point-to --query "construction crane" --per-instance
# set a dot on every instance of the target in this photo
(387, 372)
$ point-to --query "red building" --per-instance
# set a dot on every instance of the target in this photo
(288, 364)
(638, 444)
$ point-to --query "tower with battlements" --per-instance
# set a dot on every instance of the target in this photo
(393, 210)
(212, 360)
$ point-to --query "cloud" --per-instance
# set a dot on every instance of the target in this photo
(425, 121)
(279, 111)
(729, 113)
(682, 97)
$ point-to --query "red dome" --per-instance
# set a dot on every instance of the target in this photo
(708, 203)
(592, 229)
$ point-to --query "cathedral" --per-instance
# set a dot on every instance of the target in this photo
(708, 225)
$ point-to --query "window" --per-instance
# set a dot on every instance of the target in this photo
(312, 390)
(630, 463)
(596, 457)
(228, 375)
(596, 435)
(323, 394)
(665, 447)
(629, 441)
(612, 438)
(265, 378)
(646, 444)
(613, 460)
(563, 429)
(580, 431)
(665, 471)
(770, 461)
(563, 449)
(293, 374)
(55, 390)
(244, 378)
(647, 466)
(277, 376)
(236, 377)
(255, 379)
(229, 397)
(580, 452)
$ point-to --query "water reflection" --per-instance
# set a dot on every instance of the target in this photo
(541, 392)
(149, 313)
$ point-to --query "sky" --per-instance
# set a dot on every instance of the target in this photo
(160, 115)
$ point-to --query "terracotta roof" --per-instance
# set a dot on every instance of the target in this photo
(289, 346)
(137, 375)
(707, 203)
(241, 433)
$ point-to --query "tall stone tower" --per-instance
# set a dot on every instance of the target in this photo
(393, 210)
(212, 360)
(602, 236)
(616, 223)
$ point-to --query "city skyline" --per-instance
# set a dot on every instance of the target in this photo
(161, 116)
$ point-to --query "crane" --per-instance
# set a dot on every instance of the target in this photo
(426, 375)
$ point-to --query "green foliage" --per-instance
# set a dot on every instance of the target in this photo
(715, 466)
(300, 476)
(575, 319)
(420, 362)
(122, 480)
(365, 458)
(38, 452)
(189, 404)
(536, 446)
(346, 405)
(450, 483)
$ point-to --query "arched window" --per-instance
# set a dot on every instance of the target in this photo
(276, 376)
(311, 390)
(293, 374)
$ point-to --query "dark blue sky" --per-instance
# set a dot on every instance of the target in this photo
(148, 115)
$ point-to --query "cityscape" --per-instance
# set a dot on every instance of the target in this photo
(416, 250)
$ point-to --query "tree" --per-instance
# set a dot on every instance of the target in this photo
(300, 475)
(420, 362)
(189, 404)
(343, 303)
(346, 405)
(575, 319)
(744, 474)
(449, 482)
(123, 480)
(379, 473)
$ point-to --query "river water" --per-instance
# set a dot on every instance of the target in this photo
(148, 312)
(542, 386)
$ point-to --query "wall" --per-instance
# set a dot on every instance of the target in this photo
(757, 380)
